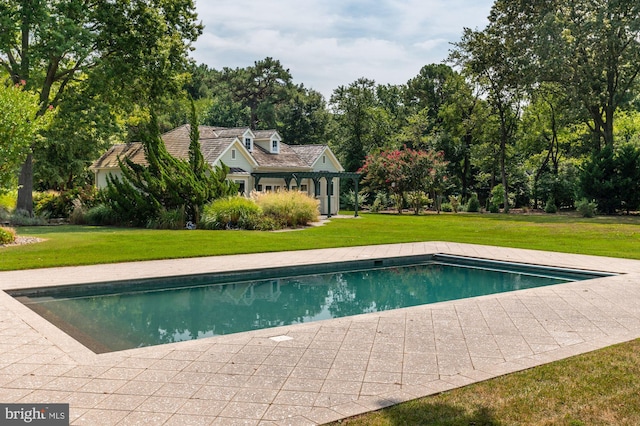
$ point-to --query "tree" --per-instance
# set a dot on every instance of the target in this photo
(491, 58)
(592, 49)
(599, 180)
(398, 172)
(259, 88)
(611, 177)
(83, 127)
(463, 116)
(127, 50)
(303, 118)
(357, 112)
(19, 125)
(429, 90)
(166, 183)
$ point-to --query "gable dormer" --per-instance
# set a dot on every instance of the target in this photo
(269, 140)
(247, 140)
(275, 144)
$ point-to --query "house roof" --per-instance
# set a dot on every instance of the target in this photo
(109, 159)
(214, 141)
(308, 153)
(287, 157)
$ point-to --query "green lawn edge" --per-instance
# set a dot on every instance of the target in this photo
(68, 245)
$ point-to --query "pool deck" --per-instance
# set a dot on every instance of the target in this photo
(319, 372)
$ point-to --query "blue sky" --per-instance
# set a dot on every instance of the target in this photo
(329, 43)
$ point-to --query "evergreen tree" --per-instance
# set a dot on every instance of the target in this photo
(166, 183)
(599, 180)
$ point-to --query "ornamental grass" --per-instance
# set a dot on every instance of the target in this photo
(289, 209)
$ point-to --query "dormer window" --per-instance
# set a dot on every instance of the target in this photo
(248, 143)
(275, 147)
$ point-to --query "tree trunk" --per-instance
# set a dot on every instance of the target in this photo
(503, 172)
(25, 186)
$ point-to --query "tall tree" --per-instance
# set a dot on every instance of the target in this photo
(356, 111)
(428, 90)
(259, 88)
(19, 125)
(130, 50)
(83, 128)
(463, 116)
(490, 58)
(591, 48)
(303, 118)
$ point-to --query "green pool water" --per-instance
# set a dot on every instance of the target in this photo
(124, 315)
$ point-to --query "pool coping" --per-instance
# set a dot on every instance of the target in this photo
(331, 369)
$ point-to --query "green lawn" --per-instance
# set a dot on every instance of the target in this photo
(598, 388)
(76, 245)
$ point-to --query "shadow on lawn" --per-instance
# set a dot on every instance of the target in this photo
(70, 229)
(421, 413)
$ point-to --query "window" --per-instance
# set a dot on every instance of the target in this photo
(259, 188)
(303, 188)
(324, 159)
(233, 154)
(274, 146)
(268, 188)
(248, 144)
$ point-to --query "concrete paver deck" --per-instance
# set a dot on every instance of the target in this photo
(322, 371)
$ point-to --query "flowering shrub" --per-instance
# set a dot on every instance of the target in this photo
(406, 170)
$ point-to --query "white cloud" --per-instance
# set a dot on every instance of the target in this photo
(330, 43)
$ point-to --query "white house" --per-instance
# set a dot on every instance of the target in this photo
(258, 160)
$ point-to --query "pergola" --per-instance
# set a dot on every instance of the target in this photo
(316, 177)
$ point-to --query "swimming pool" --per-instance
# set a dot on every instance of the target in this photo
(120, 315)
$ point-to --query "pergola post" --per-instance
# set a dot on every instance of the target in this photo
(329, 181)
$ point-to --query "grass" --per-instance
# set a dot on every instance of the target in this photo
(76, 245)
(597, 388)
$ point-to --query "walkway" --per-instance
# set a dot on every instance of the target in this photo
(327, 370)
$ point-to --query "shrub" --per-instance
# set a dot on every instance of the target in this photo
(381, 202)
(348, 199)
(7, 235)
(418, 200)
(51, 204)
(23, 218)
(473, 205)
(446, 207)
(494, 208)
(454, 200)
(230, 213)
(100, 215)
(54, 204)
(8, 201)
(551, 207)
(587, 208)
(288, 208)
(168, 219)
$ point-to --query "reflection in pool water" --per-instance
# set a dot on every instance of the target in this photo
(129, 319)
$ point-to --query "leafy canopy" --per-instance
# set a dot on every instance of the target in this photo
(19, 125)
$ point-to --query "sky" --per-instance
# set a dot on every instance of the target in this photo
(330, 43)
